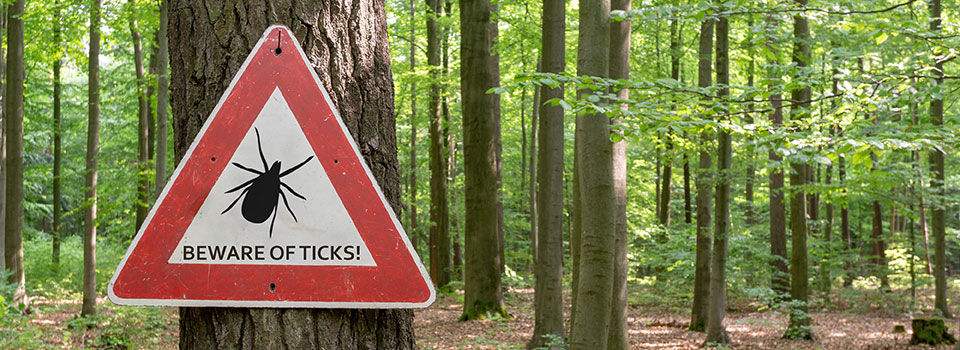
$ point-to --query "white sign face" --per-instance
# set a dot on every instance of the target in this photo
(250, 219)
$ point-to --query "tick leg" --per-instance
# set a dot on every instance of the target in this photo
(292, 191)
(235, 201)
(245, 184)
(272, 220)
(262, 158)
(247, 169)
(288, 206)
(295, 167)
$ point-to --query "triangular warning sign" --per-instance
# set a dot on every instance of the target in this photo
(272, 206)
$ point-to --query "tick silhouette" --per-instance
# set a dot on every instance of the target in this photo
(260, 195)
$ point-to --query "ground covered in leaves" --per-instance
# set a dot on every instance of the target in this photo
(850, 319)
(867, 323)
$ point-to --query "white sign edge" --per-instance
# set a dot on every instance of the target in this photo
(266, 303)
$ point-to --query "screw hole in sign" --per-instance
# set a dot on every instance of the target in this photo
(213, 159)
(273, 287)
(336, 161)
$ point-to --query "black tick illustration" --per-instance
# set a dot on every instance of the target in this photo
(260, 194)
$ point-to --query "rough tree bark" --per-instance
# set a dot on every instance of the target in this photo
(799, 327)
(348, 46)
(598, 204)
(620, 69)
(483, 229)
(548, 294)
(717, 310)
(93, 140)
(938, 216)
(439, 216)
(701, 280)
(143, 145)
(13, 132)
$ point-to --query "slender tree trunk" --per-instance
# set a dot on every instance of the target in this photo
(532, 187)
(687, 205)
(450, 145)
(412, 181)
(749, 215)
(93, 137)
(937, 184)
(778, 211)
(483, 229)
(143, 145)
(13, 130)
(163, 59)
(153, 69)
(701, 281)
(4, 22)
(879, 247)
(354, 67)
(845, 218)
(799, 327)
(920, 197)
(548, 291)
(439, 216)
(825, 269)
(576, 224)
(619, 68)
(664, 215)
(57, 145)
(717, 307)
(598, 208)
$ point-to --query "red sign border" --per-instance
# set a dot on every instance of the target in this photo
(399, 279)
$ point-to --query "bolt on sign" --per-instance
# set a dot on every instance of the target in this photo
(273, 206)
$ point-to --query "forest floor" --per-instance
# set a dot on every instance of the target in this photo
(653, 324)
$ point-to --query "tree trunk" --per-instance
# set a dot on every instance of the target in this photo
(412, 181)
(348, 46)
(845, 218)
(483, 229)
(701, 281)
(576, 224)
(778, 210)
(153, 69)
(664, 215)
(163, 90)
(450, 145)
(548, 291)
(93, 140)
(748, 191)
(687, 206)
(799, 327)
(4, 22)
(598, 199)
(717, 310)
(143, 155)
(619, 68)
(13, 130)
(57, 145)
(439, 216)
(532, 188)
(937, 185)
